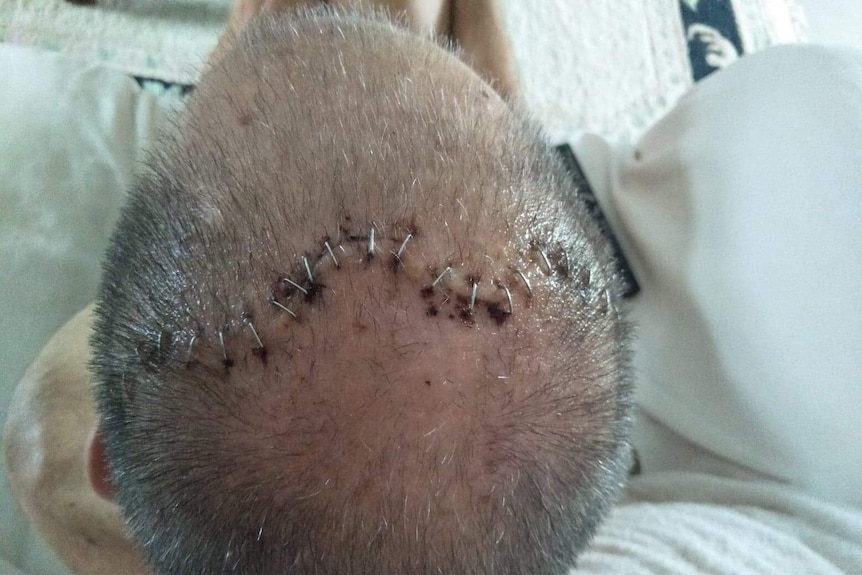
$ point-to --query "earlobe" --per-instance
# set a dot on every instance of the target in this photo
(98, 471)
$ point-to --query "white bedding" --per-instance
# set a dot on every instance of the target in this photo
(679, 523)
(70, 136)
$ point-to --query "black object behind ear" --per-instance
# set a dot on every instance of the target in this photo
(585, 193)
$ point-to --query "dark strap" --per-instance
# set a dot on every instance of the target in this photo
(585, 193)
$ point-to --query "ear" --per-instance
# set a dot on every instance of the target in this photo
(478, 28)
(98, 471)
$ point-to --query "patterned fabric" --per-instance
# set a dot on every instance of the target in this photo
(610, 68)
(163, 88)
(712, 35)
(710, 27)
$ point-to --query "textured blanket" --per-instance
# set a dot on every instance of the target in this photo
(605, 67)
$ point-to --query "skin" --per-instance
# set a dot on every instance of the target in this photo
(52, 444)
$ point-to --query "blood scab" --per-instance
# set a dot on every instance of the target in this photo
(559, 260)
(261, 353)
(497, 313)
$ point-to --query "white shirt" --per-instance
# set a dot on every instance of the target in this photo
(740, 214)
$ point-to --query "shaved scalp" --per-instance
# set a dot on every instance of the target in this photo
(355, 319)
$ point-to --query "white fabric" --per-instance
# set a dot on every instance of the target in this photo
(740, 213)
(834, 21)
(691, 524)
(70, 136)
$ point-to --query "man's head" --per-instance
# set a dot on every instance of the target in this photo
(354, 319)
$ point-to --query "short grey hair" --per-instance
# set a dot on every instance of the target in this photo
(229, 440)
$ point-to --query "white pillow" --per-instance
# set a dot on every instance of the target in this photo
(71, 134)
(740, 214)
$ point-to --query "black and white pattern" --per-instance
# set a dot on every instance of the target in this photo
(712, 34)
